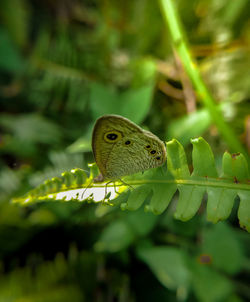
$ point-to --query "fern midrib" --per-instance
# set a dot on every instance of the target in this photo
(189, 182)
(233, 186)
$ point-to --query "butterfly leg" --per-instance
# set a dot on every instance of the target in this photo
(86, 188)
(115, 187)
(128, 185)
(107, 195)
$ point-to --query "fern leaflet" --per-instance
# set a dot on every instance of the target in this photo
(158, 187)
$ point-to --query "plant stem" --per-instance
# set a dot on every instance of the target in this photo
(172, 19)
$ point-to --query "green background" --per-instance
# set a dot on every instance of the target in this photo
(62, 65)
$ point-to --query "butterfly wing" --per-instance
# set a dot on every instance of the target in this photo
(108, 130)
(121, 147)
(134, 153)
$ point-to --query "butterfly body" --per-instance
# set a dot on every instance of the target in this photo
(122, 148)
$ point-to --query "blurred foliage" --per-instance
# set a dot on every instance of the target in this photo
(64, 63)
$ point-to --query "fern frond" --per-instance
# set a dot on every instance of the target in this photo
(159, 188)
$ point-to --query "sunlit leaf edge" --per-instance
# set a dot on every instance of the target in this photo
(160, 187)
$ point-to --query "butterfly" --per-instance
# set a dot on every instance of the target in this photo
(121, 148)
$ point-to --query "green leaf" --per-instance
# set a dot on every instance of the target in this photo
(219, 203)
(117, 236)
(82, 144)
(144, 70)
(106, 100)
(191, 125)
(80, 176)
(191, 197)
(158, 187)
(201, 151)
(189, 201)
(31, 128)
(209, 285)
(10, 58)
(136, 198)
(103, 100)
(142, 223)
(162, 195)
(177, 161)
(68, 178)
(221, 200)
(121, 233)
(169, 266)
(244, 210)
(137, 102)
(235, 166)
(221, 244)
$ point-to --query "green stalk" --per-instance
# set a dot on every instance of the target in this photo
(172, 19)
